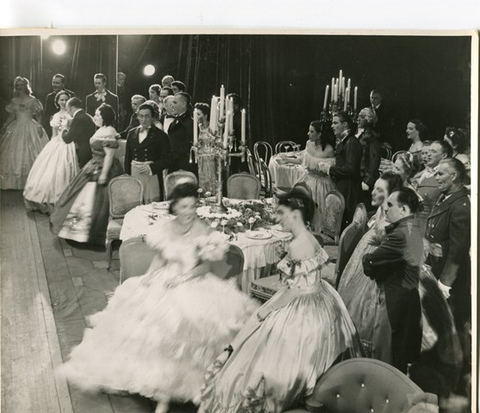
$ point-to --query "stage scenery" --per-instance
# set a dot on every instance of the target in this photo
(236, 223)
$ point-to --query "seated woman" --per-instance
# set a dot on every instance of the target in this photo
(160, 331)
(276, 359)
(320, 146)
(403, 166)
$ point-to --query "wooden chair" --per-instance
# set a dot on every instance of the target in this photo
(252, 166)
(124, 193)
(386, 152)
(243, 186)
(395, 155)
(367, 385)
(332, 217)
(262, 151)
(285, 146)
(265, 179)
(173, 178)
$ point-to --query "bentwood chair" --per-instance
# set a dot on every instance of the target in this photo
(243, 186)
(124, 193)
(262, 151)
(265, 179)
(285, 146)
(176, 177)
(367, 385)
(396, 154)
(386, 152)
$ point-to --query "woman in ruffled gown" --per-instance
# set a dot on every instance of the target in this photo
(55, 167)
(319, 147)
(206, 159)
(22, 137)
(161, 330)
(293, 339)
(81, 213)
(437, 369)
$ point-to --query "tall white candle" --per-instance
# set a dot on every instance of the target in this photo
(244, 127)
(195, 126)
(335, 95)
(349, 83)
(343, 86)
(340, 75)
(344, 103)
(225, 134)
(355, 95)
(222, 101)
(230, 123)
(325, 99)
(213, 113)
(333, 87)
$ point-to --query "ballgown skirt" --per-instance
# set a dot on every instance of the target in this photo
(20, 145)
(82, 211)
(52, 172)
(320, 185)
(276, 362)
(157, 341)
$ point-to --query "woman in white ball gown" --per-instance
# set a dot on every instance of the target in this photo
(55, 167)
(295, 337)
(160, 331)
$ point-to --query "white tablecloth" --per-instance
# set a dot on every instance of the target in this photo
(259, 254)
(285, 175)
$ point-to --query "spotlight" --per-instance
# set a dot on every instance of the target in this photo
(149, 70)
(59, 47)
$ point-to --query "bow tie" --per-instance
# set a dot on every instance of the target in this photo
(100, 95)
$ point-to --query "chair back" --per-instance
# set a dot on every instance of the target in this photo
(332, 216)
(303, 186)
(360, 215)
(252, 166)
(243, 186)
(349, 239)
(266, 179)
(396, 154)
(124, 193)
(173, 178)
(231, 266)
(135, 258)
(120, 151)
(262, 150)
(386, 152)
(285, 146)
(361, 384)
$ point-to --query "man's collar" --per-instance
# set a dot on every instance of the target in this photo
(391, 227)
(78, 110)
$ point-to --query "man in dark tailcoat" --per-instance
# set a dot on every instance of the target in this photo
(147, 154)
(101, 95)
(395, 266)
(383, 120)
(80, 130)
(49, 109)
(180, 134)
(346, 171)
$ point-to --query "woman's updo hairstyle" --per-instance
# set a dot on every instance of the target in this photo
(298, 199)
(57, 97)
(180, 191)
(393, 180)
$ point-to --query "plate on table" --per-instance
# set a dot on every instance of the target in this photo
(259, 235)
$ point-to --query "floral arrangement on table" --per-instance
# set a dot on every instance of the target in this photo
(240, 217)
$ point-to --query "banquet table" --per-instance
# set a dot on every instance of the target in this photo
(260, 254)
(285, 175)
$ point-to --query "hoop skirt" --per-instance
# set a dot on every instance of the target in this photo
(320, 184)
(161, 330)
(81, 213)
(291, 341)
(52, 172)
(20, 144)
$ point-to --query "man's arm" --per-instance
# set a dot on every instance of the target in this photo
(128, 154)
(459, 234)
(375, 154)
(389, 252)
(73, 133)
(162, 162)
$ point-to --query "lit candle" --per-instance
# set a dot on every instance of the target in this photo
(222, 101)
(343, 86)
(344, 103)
(340, 76)
(230, 123)
(325, 99)
(213, 112)
(333, 87)
(349, 83)
(244, 127)
(355, 94)
(336, 93)
(195, 126)
(225, 135)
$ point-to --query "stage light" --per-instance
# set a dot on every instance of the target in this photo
(149, 70)
(59, 47)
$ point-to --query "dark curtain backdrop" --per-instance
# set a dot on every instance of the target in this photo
(281, 79)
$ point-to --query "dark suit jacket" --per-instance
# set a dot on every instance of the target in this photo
(346, 173)
(81, 130)
(49, 109)
(180, 135)
(449, 226)
(155, 147)
(383, 125)
(395, 265)
(92, 104)
(371, 157)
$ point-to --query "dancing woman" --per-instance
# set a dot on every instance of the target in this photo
(161, 330)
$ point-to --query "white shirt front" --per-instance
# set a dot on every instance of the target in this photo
(142, 135)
